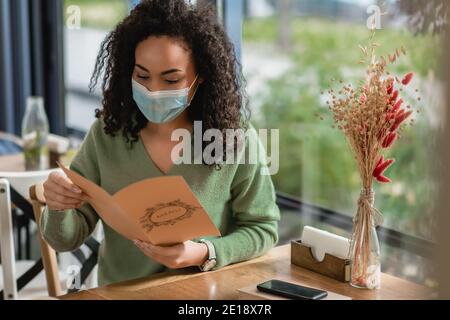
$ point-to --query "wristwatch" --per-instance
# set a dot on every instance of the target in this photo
(211, 262)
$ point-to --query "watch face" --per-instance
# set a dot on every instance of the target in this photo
(209, 265)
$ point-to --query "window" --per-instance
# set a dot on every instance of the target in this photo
(81, 46)
(291, 51)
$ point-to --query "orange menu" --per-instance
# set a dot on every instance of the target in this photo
(163, 211)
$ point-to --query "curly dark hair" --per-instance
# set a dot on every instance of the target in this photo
(220, 102)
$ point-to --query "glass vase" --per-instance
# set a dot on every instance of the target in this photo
(365, 247)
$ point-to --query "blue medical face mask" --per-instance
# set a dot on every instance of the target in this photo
(161, 106)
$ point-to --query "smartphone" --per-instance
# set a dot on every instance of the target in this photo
(292, 291)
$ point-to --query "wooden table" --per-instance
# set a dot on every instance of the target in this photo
(14, 162)
(224, 284)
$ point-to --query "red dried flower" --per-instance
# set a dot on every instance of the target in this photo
(407, 79)
(397, 105)
(380, 161)
(389, 141)
(381, 168)
(400, 118)
(390, 88)
(383, 179)
(395, 95)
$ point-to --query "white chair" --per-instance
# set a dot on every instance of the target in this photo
(56, 280)
(7, 242)
(21, 182)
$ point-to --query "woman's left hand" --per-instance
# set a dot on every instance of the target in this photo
(183, 255)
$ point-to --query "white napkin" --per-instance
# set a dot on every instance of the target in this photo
(322, 242)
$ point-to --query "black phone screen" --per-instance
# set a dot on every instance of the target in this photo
(292, 291)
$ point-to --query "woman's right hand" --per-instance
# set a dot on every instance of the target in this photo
(61, 194)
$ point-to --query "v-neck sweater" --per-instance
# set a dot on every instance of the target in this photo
(239, 198)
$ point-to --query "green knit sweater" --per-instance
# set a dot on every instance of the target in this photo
(238, 198)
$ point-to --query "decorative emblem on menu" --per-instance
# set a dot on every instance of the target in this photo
(166, 214)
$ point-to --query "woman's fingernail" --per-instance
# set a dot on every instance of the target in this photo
(76, 190)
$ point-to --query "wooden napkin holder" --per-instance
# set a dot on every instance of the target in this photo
(331, 266)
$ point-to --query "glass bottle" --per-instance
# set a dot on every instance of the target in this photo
(35, 131)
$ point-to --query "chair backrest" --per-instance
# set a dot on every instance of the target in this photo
(21, 181)
(48, 253)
